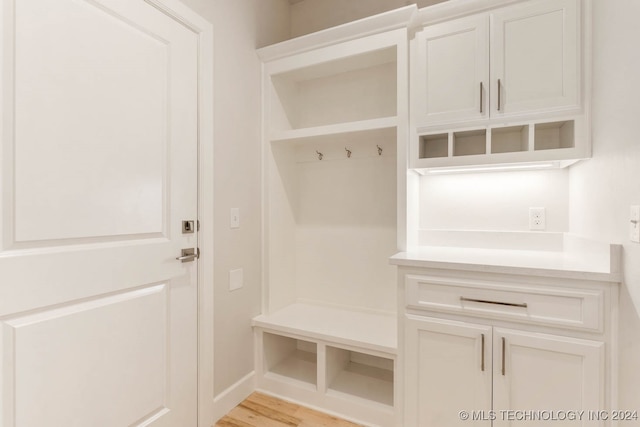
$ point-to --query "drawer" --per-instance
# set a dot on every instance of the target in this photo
(544, 305)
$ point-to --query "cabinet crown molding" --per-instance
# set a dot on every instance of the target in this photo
(392, 20)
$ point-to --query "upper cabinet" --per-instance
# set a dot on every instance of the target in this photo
(512, 61)
(500, 84)
(451, 71)
(535, 54)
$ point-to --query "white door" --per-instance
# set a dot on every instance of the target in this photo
(451, 72)
(449, 370)
(98, 169)
(534, 371)
(535, 57)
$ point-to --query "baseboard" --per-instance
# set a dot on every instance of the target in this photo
(316, 408)
(232, 396)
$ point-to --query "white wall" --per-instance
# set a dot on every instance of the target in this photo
(494, 201)
(603, 188)
(239, 27)
(309, 16)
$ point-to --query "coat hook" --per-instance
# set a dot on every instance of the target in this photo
(320, 155)
(379, 150)
(348, 152)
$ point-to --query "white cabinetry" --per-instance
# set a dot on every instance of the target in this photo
(466, 366)
(518, 59)
(495, 344)
(535, 57)
(485, 87)
(546, 372)
(335, 111)
(448, 367)
(451, 71)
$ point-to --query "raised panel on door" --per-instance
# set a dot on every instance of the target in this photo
(451, 72)
(99, 167)
(535, 57)
(448, 369)
(538, 372)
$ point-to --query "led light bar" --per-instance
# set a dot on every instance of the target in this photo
(494, 168)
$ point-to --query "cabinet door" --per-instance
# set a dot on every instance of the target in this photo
(535, 57)
(450, 73)
(448, 370)
(537, 372)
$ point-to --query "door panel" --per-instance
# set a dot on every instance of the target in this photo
(545, 372)
(91, 181)
(99, 168)
(535, 55)
(452, 64)
(446, 359)
(120, 344)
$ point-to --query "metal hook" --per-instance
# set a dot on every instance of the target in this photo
(348, 152)
(320, 155)
(379, 150)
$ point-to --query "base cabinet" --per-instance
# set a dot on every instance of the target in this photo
(538, 372)
(505, 350)
(448, 370)
(496, 376)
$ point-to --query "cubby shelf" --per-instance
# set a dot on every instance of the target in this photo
(558, 142)
(353, 374)
(289, 359)
(341, 359)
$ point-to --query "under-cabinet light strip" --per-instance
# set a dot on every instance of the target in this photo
(494, 168)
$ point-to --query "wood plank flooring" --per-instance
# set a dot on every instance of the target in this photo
(260, 410)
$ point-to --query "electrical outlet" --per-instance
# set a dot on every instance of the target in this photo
(634, 224)
(537, 219)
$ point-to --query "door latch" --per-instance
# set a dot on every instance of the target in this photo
(188, 227)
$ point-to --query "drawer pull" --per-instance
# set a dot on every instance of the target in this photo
(484, 301)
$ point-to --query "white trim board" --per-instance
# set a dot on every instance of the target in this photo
(232, 396)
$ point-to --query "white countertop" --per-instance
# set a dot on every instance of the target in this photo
(578, 258)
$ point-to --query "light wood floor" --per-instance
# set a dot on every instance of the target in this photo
(260, 410)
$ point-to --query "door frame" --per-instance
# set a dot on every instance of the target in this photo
(204, 31)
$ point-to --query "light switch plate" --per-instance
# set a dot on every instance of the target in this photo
(234, 218)
(235, 279)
